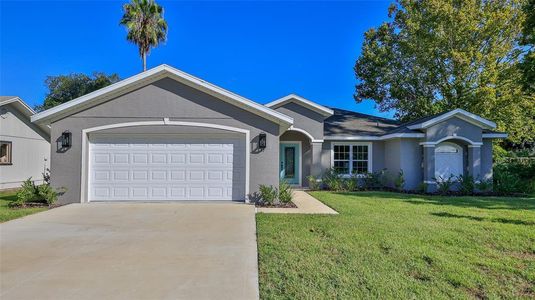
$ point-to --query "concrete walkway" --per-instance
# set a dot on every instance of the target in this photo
(306, 204)
(131, 251)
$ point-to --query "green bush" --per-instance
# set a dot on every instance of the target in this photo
(375, 180)
(313, 183)
(515, 176)
(268, 194)
(333, 180)
(399, 181)
(444, 185)
(47, 193)
(285, 192)
(31, 193)
(484, 185)
(466, 184)
(350, 184)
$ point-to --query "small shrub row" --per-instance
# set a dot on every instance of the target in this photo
(270, 195)
(332, 180)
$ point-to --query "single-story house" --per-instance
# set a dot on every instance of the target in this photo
(166, 135)
(24, 146)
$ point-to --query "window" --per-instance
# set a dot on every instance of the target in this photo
(5, 153)
(352, 159)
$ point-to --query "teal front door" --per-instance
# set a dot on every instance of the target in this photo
(289, 162)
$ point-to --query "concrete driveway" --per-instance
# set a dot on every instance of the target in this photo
(131, 251)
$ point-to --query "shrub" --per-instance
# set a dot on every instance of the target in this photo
(484, 185)
(515, 176)
(444, 185)
(31, 193)
(285, 192)
(47, 193)
(27, 193)
(268, 194)
(313, 183)
(375, 180)
(350, 184)
(399, 181)
(333, 181)
(466, 184)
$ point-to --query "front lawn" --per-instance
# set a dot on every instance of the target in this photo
(7, 213)
(388, 245)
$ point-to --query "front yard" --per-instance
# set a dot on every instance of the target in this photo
(7, 213)
(388, 245)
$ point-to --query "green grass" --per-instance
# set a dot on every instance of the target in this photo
(7, 213)
(388, 245)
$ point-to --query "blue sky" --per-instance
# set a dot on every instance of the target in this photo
(261, 50)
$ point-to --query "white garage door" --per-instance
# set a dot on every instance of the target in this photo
(166, 168)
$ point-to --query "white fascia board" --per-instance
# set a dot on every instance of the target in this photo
(300, 100)
(461, 113)
(20, 103)
(373, 137)
(495, 135)
(154, 74)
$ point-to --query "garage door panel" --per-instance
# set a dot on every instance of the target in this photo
(184, 169)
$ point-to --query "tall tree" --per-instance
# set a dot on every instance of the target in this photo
(437, 55)
(64, 88)
(146, 26)
(528, 40)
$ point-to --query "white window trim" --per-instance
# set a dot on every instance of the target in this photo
(300, 152)
(370, 156)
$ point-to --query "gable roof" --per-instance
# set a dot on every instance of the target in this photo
(302, 101)
(17, 102)
(22, 107)
(462, 114)
(150, 76)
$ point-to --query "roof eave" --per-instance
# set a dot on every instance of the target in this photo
(462, 114)
(324, 111)
(151, 75)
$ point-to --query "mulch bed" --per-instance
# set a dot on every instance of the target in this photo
(37, 205)
(280, 205)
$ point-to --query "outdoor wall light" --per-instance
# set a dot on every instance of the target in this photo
(66, 139)
(262, 141)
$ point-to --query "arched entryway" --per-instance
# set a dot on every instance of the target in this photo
(295, 157)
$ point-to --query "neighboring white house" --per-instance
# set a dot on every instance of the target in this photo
(24, 146)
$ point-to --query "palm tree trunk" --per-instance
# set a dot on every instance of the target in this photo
(144, 61)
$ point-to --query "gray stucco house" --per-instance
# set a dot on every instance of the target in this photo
(24, 146)
(166, 135)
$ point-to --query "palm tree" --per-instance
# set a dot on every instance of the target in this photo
(145, 24)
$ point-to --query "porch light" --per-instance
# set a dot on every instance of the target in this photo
(262, 140)
(66, 139)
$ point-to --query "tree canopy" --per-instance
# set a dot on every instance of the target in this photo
(64, 88)
(438, 55)
(146, 26)
(528, 40)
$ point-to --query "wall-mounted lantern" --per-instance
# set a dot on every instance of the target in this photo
(262, 141)
(66, 139)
